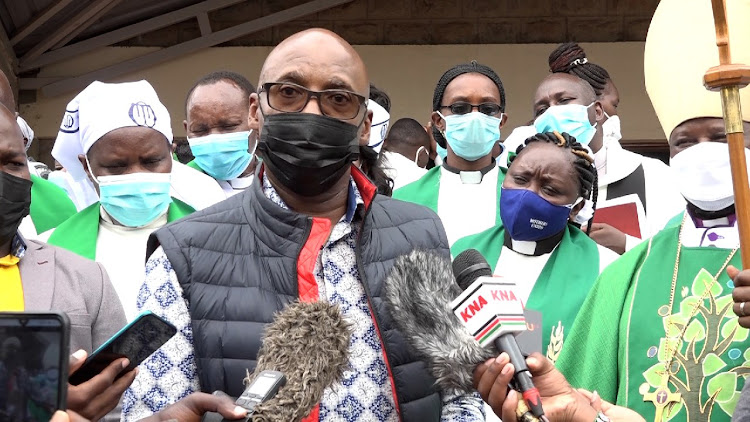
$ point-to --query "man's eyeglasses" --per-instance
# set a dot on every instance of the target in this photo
(461, 107)
(292, 98)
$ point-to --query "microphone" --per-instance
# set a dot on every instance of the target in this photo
(309, 343)
(478, 309)
(418, 291)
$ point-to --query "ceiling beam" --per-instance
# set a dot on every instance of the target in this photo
(204, 24)
(72, 25)
(90, 21)
(125, 33)
(39, 20)
(187, 47)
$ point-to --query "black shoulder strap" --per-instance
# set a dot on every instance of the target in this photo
(635, 182)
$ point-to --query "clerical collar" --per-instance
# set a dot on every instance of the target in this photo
(541, 247)
(471, 177)
(726, 217)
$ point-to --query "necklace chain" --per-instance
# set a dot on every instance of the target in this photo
(673, 350)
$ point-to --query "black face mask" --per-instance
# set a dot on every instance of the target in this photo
(308, 153)
(15, 199)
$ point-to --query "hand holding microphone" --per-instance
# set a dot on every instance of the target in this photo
(492, 313)
(562, 403)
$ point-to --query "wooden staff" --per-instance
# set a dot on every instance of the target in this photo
(728, 78)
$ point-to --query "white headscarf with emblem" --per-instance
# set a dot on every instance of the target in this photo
(100, 109)
(380, 120)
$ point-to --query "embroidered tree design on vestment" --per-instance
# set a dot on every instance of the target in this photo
(699, 371)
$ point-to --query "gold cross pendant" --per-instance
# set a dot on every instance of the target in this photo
(662, 398)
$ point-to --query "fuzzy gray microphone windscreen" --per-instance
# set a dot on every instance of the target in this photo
(418, 292)
(309, 343)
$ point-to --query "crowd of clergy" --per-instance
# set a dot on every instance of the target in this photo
(633, 263)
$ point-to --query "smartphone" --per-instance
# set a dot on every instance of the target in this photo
(136, 341)
(33, 365)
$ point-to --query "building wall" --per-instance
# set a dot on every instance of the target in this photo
(407, 72)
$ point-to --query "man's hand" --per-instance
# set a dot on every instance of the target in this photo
(192, 408)
(741, 294)
(607, 236)
(560, 401)
(96, 397)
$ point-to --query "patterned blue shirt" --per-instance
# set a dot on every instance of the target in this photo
(18, 246)
(365, 392)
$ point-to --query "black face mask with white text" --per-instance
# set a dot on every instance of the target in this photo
(308, 153)
(15, 200)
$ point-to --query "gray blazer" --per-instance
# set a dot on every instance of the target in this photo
(55, 279)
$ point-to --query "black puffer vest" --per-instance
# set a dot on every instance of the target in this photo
(237, 264)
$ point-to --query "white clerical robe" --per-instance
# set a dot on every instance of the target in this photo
(122, 252)
(235, 186)
(663, 200)
(401, 169)
(468, 202)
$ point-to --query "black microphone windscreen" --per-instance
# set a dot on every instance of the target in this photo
(309, 343)
(470, 265)
(418, 292)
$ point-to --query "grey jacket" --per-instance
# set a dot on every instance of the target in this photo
(58, 280)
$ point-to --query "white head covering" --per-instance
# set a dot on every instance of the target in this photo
(28, 133)
(380, 120)
(680, 48)
(100, 109)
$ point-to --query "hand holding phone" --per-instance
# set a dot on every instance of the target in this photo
(98, 396)
(136, 342)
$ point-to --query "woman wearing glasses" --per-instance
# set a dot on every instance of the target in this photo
(468, 113)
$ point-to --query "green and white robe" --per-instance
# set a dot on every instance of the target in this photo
(621, 341)
(466, 202)
(121, 250)
(50, 206)
(554, 283)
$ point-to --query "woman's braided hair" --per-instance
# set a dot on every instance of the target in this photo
(570, 58)
(588, 180)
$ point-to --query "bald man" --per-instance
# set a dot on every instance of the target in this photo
(311, 227)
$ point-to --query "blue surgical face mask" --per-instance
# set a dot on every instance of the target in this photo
(529, 217)
(441, 154)
(135, 199)
(570, 118)
(471, 136)
(224, 156)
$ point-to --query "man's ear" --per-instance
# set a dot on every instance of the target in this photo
(253, 121)
(364, 137)
(438, 121)
(184, 125)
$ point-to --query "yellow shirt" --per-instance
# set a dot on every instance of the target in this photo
(11, 289)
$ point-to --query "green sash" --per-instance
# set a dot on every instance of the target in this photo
(50, 204)
(79, 233)
(562, 285)
(618, 345)
(426, 190)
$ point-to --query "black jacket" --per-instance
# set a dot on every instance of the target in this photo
(237, 263)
